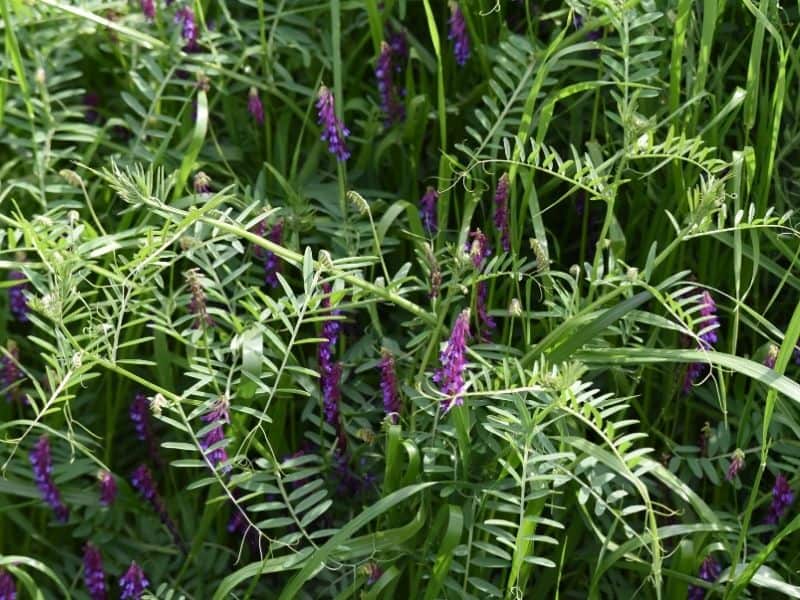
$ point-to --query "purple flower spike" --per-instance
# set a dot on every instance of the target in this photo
(450, 376)
(149, 9)
(18, 303)
(140, 415)
(709, 324)
(399, 45)
(782, 499)
(709, 571)
(391, 396)
(219, 415)
(108, 488)
(142, 480)
(42, 472)
(392, 108)
(487, 324)
(254, 106)
(478, 249)
(184, 16)
(94, 577)
(501, 211)
(133, 583)
(8, 589)
(427, 210)
(272, 265)
(458, 33)
(330, 371)
(333, 130)
(10, 373)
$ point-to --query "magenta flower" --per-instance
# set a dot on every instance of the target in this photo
(94, 577)
(458, 33)
(254, 106)
(219, 416)
(782, 499)
(148, 9)
(709, 571)
(391, 395)
(18, 303)
(333, 130)
(108, 488)
(133, 583)
(450, 376)
(501, 211)
(737, 462)
(42, 473)
(392, 107)
(427, 210)
(8, 589)
(184, 16)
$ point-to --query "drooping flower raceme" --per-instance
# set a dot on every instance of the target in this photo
(737, 462)
(391, 395)
(479, 251)
(8, 589)
(330, 371)
(148, 9)
(133, 583)
(18, 303)
(393, 109)
(94, 577)
(108, 488)
(501, 212)
(709, 571)
(254, 106)
(458, 33)
(143, 425)
(219, 415)
(782, 499)
(184, 17)
(450, 375)
(427, 210)
(142, 481)
(333, 130)
(42, 473)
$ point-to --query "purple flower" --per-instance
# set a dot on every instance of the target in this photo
(197, 300)
(427, 210)
(391, 396)
(392, 108)
(373, 571)
(501, 211)
(458, 33)
(42, 474)
(142, 480)
(8, 589)
(272, 265)
(782, 499)
(333, 130)
(10, 373)
(694, 372)
(94, 577)
(737, 462)
(140, 415)
(218, 415)
(18, 303)
(771, 357)
(487, 324)
(399, 45)
(709, 571)
(91, 101)
(450, 376)
(149, 9)
(254, 106)
(133, 583)
(184, 16)
(330, 372)
(478, 249)
(108, 488)
(709, 324)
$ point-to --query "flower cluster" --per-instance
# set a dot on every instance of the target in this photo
(710, 572)
(272, 265)
(501, 212)
(771, 357)
(333, 130)
(450, 376)
(94, 577)
(108, 488)
(391, 105)
(18, 303)
(458, 33)
(391, 395)
(219, 416)
(148, 9)
(782, 499)
(133, 583)
(709, 323)
(42, 473)
(142, 481)
(139, 413)
(479, 251)
(427, 210)
(330, 371)
(737, 463)
(254, 106)
(184, 17)
(8, 589)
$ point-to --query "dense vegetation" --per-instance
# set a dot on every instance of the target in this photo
(400, 299)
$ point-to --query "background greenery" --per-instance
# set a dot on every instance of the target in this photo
(651, 151)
